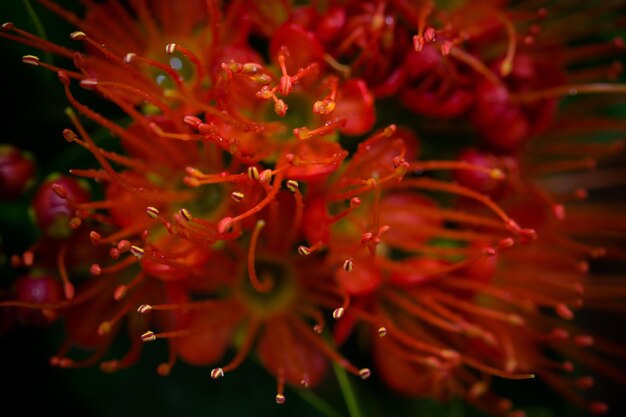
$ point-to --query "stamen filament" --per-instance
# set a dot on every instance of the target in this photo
(254, 280)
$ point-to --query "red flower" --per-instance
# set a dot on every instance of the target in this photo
(458, 277)
(16, 172)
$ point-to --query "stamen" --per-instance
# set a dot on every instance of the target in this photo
(327, 105)
(584, 340)
(584, 382)
(137, 251)
(170, 48)
(186, 214)
(280, 387)
(121, 290)
(344, 70)
(144, 308)
(598, 407)
(435, 185)
(272, 192)
(458, 304)
(31, 60)
(316, 315)
(91, 145)
(29, 39)
(265, 176)
(95, 270)
(280, 108)
(254, 280)
(78, 36)
(494, 371)
(494, 173)
(16, 261)
(132, 57)
(242, 353)
(365, 373)
(152, 212)
(303, 133)
(568, 90)
(330, 353)
(217, 373)
(196, 305)
(292, 185)
(68, 288)
(199, 67)
(28, 257)
(297, 217)
(118, 266)
(131, 357)
(423, 35)
(477, 65)
(348, 265)
(237, 196)
(225, 225)
(150, 336)
(253, 173)
(564, 311)
(507, 64)
(412, 308)
(164, 369)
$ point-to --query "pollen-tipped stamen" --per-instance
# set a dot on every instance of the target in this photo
(150, 336)
(243, 351)
(199, 67)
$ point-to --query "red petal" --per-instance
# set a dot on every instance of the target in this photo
(400, 211)
(314, 150)
(406, 376)
(364, 278)
(376, 157)
(281, 349)
(315, 221)
(355, 103)
(214, 329)
(303, 46)
(427, 103)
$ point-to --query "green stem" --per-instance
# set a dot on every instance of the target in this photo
(347, 391)
(318, 403)
(39, 28)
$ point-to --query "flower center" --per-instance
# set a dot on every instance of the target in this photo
(280, 279)
(208, 200)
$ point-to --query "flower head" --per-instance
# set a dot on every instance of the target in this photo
(256, 191)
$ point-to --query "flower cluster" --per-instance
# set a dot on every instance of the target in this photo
(264, 198)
